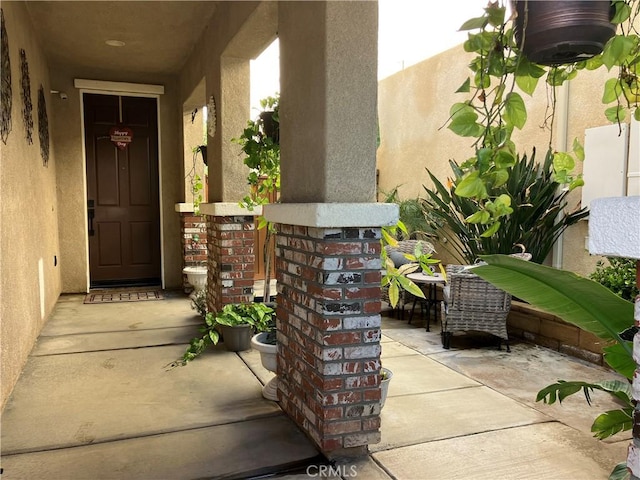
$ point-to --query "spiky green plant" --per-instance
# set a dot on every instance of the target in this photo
(535, 220)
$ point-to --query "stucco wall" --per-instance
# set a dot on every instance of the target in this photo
(238, 32)
(414, 105)
(28, 208)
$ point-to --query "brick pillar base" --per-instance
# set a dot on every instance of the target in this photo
(328, 320)
(230, 242)
(194, 242)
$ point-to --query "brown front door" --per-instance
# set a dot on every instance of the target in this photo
(122, 191)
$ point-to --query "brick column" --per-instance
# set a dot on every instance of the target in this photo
(328, 321)
(231, 257)
(193, 229)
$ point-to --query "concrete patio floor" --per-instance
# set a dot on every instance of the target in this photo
(98, 400)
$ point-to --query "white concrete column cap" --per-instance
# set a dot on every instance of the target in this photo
(333, 215)
(227, 209)
(614, 227)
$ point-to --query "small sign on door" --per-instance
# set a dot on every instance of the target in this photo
(121, 136)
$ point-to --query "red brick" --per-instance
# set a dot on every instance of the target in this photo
(338, 428)
(342, 338)
(331, 444)
(360, 292)
(339, 248)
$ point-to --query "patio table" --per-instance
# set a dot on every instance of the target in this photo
(428, 284)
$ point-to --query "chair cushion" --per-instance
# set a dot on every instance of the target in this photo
(398, 258)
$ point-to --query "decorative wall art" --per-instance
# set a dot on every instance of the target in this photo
(27, 106)
(5, 90)
(43, 127)
(211, 117)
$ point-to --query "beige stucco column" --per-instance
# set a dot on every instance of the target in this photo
(328, 78)
(328, 243)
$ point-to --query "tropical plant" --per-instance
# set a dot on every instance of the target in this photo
(588, 305)
(424, 260)
(533, 203)
(619, 276)
(257, 315)
(495, 108)
(262, 156)
(395, 278)
(417, 220)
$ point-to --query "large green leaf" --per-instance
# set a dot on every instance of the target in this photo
(612, 422)
(575, 299)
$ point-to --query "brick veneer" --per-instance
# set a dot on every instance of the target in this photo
(328, 319)
(230, 276)
(194, 242)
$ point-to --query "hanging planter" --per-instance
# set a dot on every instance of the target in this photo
(270, 126)
(203, 152)
(561, 32)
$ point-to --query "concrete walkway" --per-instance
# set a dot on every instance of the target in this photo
(98, 400)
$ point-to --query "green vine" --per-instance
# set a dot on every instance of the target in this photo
(500, 71)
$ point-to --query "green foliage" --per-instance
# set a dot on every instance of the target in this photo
(195, 180)
(606, 424)
(528, 205)
(494, 108)
(586, 304)
(258, 315)
(424, 260)
(262, 150)
(418, 221)
(262, 156)
(395, 279)
(619, 276)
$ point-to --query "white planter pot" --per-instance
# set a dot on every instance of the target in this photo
(384, 385)
(196, 276)
(268, 357)
(267, 352)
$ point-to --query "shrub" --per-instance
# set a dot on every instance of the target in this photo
(619, 276)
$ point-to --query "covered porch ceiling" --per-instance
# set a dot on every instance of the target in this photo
(158, 36)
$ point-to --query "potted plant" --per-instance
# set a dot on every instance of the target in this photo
(236, 323)
(501, 70)
(385, 377)
(261, 147)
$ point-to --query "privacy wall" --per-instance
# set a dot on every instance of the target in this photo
(29, 248)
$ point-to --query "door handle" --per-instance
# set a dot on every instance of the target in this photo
(91, 213)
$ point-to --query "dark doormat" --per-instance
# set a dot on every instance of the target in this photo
(123, 295)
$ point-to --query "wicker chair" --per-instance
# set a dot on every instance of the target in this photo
(473, 304)
(404, 246)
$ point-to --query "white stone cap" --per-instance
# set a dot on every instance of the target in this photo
(333, 215)
(184, 207)
(614, 227)
(227, 209)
